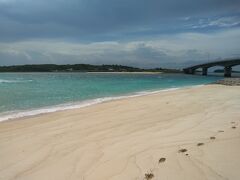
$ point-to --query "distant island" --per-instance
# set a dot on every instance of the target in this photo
(80, 68)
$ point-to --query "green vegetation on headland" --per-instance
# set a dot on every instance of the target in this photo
(80, 68)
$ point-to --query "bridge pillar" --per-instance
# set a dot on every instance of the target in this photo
(189, 71)
(192, 71)
(204, 71)
(227, 71)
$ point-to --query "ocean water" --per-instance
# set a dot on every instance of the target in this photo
(23, 94)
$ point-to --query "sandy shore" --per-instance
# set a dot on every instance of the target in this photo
(164, 136)
(144, 72)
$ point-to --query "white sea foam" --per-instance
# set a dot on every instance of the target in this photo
(69, 106)
(13, 81)
(6, 81)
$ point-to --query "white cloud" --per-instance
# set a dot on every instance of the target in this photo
(165, 51)
(218, 22)
(226, 22)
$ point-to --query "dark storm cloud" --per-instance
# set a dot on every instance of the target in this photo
(96, 19)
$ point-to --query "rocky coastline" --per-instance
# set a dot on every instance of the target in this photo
(229, 82)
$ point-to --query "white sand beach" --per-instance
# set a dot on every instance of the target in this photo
(130, 139)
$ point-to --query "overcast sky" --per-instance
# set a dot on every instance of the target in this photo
(143, 33)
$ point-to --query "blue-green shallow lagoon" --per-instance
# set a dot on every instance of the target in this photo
(21, 93)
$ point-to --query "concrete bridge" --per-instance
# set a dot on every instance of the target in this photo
(227, 64)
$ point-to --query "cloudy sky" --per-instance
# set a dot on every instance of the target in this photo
(143, 33)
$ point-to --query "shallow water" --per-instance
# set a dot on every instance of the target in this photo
(22, 92)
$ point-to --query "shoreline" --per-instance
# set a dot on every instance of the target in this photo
(183, 134)
(16, 115)
(21, 114)
(150, 72)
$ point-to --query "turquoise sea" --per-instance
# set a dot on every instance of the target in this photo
(23, 94)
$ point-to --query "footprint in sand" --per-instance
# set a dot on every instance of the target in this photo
(182, 150)
(200, 144)
(212, 138)
(161, 160)
(234, 127)
(149, 176)
(220, 131)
